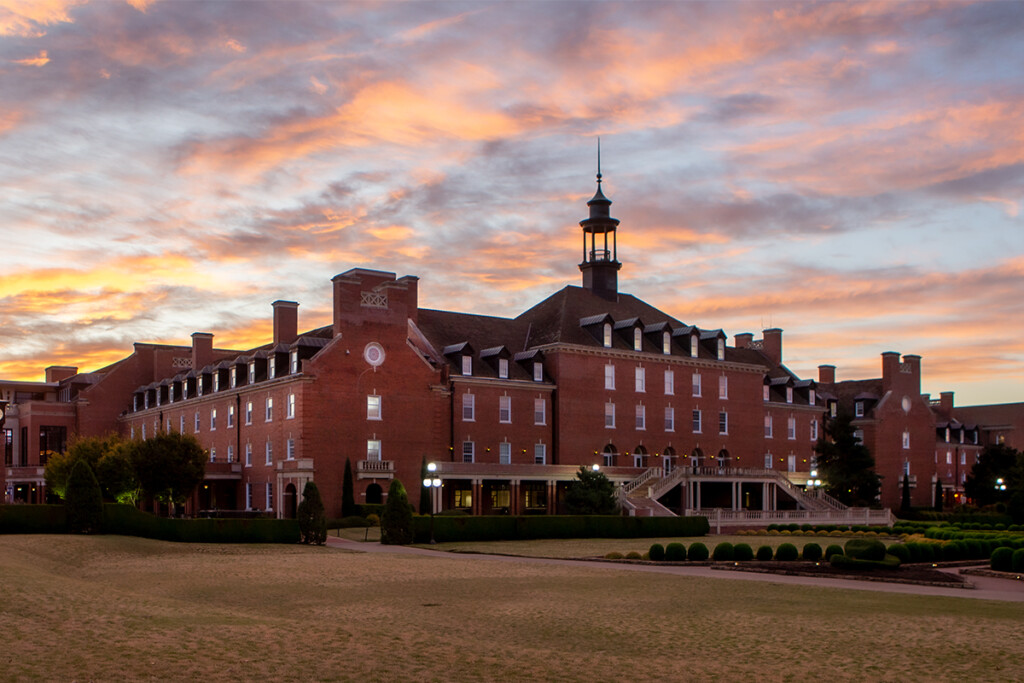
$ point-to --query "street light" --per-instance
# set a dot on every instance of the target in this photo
(1000, 484)
(595, 467)
(432, 482)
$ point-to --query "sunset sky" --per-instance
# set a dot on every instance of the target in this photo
(850, 172)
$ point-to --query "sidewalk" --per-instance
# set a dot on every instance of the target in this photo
(986, 588)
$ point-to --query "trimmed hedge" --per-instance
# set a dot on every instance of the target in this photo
(1017, 560)
(811, 552)
(33, 519)
(742, 552)
(526, 527)
(786, 552)
(657, 552)
(833, 549)
(899, 550)
(888, 562)
(675, 552)
(764, 553)
(1001, 560)
(698, 552)
(865, 549)
(723, 552)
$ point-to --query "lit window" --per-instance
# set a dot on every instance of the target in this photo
(961, 434)
(609, 376)
(231, 416)
(538, 372)
(196, 423)
(290, 449)
(468, 407)
(670, 382)
(213, 419)
(158, 392)
(248, 455)
(723, 423)
(666, 343)
(373, 407)
(505, 409)
(271, 367)
(638, 339)
(858, 409)
(607, 335)
(540, 454)
(503, 368)
(233, 377)
(467, 365)
(833, 408)
(248, 412)
(947, 435)
(641, 380)
(791, 428)
(252, 372)
(789, 394)
(468, 451)
(290, 410)
(696, 384)
(696, 422)
(295, 361)
(213, 454)
(721, 349)
(373, 449)
(216, 383)
(814, 430)
(609, 415)
(670, 419)
(694, 345)
(906, 439)
(811, 397)
(504, 453)
(641, 416)
(539, 411)
(723, 387)
(145, 401)
(269, 453)
(767, 426)
(270, 409)
(184, 389)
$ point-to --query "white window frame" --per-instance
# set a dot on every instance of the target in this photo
(252, 372)
(640, 374)
(609, 377)
(270, 496)
(467, 366)
(789, 394)
(289, 449)
(248, 454)
(812, 397)
(768, 427)
(906, 439)
(698, 421)
(696, 384)
(540, 454)
(791, 428)
(181, 423)
(272, 367)
(468, 407)
(538, 371)
(858, 409)
(505, 409)
(233, 377)
(213, 419)
(231, 417)
(723, 387)
(373, 407)
(641, 417)
(607, 335)
(197, 423)
(814, 430)
(503, 368)
(638, 339)
(268, 453)
(231, 452)
(670, 383)
(170, 394)
(248, 412)
(540, 411)
(670, 419)
(294, 357)
(213, 454)
(768, 461)
(270, 409)
(694, 346)
(290, 408)
(609, 415)
(721, 349)
(216, 384)
(666, 343)
(504, 453)
(723, 422)
(248, 496)
(373, 450)
(468, 451)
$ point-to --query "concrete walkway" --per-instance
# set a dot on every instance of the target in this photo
(986, 588)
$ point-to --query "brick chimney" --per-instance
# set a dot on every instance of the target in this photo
(202, 350)
(56, 373)
(946, 404)
(286, 321)
(890, 369)
(743, 340)
(826, 374)
(772, 345)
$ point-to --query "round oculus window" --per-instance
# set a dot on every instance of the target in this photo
(374, 354)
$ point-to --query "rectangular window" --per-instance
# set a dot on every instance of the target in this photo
(505, 409)
(791, 428)
(468, 408)
(271, 367)
(540, 454)
(666, 343)
(767, 461)
(641, 416)
(505, 453)
(184, 389)
(290, 449)
(181, 424)
(721, 349)
(906, 439)
(196, 426)
(858, 409)
(213, 419)
(233, 377)
(143, 436)
(694, 345)
(503, 368)
(767, 392)
(609, 415)
(170, 394)
(538, 372)
(789, 394)
(638, 339)
(963, 458)
(468, 451)
(767, 426)
(231, 416)
(290, 409)
(294, 362)
(248, 455)
(814, 430)
(467, 365)
(373, 449)
(270, 496)
(216, 384)
(791, 463)
(949, 457)
(200, 381)
(696, 422)
(248, 496)
(609, 376)
(373, 407)
(670, 419)
(723, 422)
(833, 408)
(670, 383)
(607, 336)
(811, 397)
(168, 425)
(539, 411)
(696, 384)
(269, 453)
(723, 387)
(858, 435)
(248, 412)
(641, 380)
(213, 454)
(231, 453)
(270, 409)
(252, 372)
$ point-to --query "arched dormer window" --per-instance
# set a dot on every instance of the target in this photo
(721, 349)
(607, 335)
(694, 345)
(467, 365)
(638, 339)
(666, 343)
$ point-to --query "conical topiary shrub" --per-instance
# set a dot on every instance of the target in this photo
(396, 524)
(83, 500)
(311, 516)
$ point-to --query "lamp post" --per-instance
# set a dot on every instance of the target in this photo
(432, 482)
(1000, 484)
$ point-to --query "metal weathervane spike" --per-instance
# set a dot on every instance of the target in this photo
(599, 160)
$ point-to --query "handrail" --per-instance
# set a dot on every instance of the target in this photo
(644, 477)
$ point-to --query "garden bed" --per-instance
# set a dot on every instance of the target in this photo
(914, 574)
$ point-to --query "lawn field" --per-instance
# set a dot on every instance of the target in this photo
(118, 608)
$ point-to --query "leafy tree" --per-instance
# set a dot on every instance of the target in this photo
(169, 466)
(846, 464)
(348, 496)
(424, 490)
(311, 515)
(116, 474)
(591, 493)
(938, 495)
(996, 461)
(83, 500)
(116, 477)
(396, 524)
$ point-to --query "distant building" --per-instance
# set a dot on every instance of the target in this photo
(508, 408)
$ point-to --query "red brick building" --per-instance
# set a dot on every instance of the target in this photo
(508, 408)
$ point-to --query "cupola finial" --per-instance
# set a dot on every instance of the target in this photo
(598, 160)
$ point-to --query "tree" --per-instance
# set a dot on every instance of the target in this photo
(83, 500)
(905, 496)
(424, 490)
(311, 515)
(348, 496)
(169, 466)
(591, 493)
(396, 524)
(997, 461)
(845, 464)
(938, 495)
(116, 476)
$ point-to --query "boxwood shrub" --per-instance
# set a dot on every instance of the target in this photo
(526, 527)
(657, 552)
(865, 549)
(1001, 560)
(787, 552)
(698, 552)
(833, 549)
(764, 553)
(742, 552)
(723, 551)
(811, 552)
(1017, 560)
(675, 552)
(899, 550)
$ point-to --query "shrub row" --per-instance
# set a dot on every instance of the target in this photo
(727, 552)
(510, 528)
(1007, 560)
(828, 527)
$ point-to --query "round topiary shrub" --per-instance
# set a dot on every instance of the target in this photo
(900, 551)
(864, 549)
(785, 532)
(723, 551)
(634, 555)
(787, 552)
(764, 553)
(613, 556)
(833, 549)
(812, 552)
(774, 532)
(657, 552)
(1017, 560)
(675, 552)
(698, 552)
(1001, 560)
(950, 552)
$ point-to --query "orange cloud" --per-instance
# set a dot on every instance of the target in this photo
(25, 17)
(39, 60)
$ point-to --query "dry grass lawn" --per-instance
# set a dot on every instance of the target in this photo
(116, 608)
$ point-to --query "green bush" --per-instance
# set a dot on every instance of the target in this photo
(1017, 560)
(634, 555)
(723, 552)
(833, 549)
(656, 552)
(33, 519)
(764, 553)
(1001, 560)
(698, 552)
(742, 552)
(396, 524)
(675, 552)
(864, 549)
(465, 528)
(900, 551)
(887, 562)
(786, 552)
(811, 552)
(127, 520)
(311, 516)
(351, 522)
(613, 556)
(367, 509)
(83, 500)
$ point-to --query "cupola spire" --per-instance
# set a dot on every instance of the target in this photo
(600, 266)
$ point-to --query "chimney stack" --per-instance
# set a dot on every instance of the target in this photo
(202, 349)
(56, 373)
(743, 340)
(826, 374)
(286, 321)
(771, 345)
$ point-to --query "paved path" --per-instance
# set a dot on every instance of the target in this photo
(986, 588)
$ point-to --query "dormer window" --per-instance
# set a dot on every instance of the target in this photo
(767, 392)
(271, 367)
(607, 335)
(811, 397)
(503, 368)
(199, 385)
(961, 436)
(170, 395)
(789, 394)
(252, 372)
(158, 391)
(694, 345)
(666, 343)
(538, 372)
(638, 339)
(184, 389)
(858, 409)
(145, 400)
(294, 362)
(947, 434)
(467, 365)
(233, 377)
(974, 437)
(721, 349)
(135, 402)
(216, 381)
(833, 408)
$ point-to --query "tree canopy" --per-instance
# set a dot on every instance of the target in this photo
(845, 464)
(311, 516)
(591, 493)
(997, 461)
(83, 500)
(109, 459)
(169, 466)
(396, 524)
